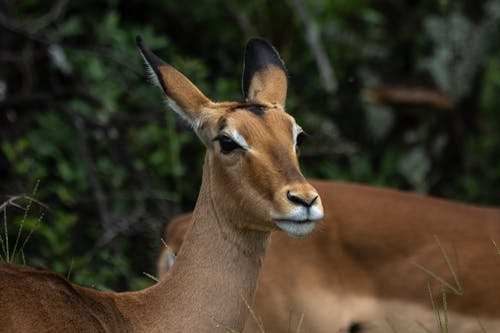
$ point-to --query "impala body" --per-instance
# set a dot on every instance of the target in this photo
(368, 264)
(251, 185)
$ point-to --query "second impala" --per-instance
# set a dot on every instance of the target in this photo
(373, 262)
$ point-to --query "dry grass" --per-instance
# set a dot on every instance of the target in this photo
(457, 289)
(7, 254)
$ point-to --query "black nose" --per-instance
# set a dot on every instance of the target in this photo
(296, 199)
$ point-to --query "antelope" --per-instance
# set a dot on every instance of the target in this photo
(368, 266)
(251, 186)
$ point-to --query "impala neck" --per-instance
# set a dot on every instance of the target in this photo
(215, 273)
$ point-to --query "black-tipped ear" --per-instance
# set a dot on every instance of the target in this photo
(153, 63)
(264, 74)
(182, 95)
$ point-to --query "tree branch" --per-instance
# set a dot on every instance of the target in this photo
(37, 24)
(34, 36)
(240, 18)
(402, 95)
(12, 202)
(325, 69)
(47, 98)
(121, 226)
(91, 171)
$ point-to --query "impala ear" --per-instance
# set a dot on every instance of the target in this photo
(182, 95)
(264, 74)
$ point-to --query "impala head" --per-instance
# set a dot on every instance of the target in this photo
(251, 166)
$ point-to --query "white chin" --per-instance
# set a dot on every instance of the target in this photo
(296, 229)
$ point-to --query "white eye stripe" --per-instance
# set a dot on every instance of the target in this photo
(240, 140)
(296, 129)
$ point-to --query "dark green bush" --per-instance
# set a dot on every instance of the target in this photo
(113, 165)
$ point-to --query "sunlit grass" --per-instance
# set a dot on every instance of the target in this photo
(7, 254)
(457, 290)
(440, 314)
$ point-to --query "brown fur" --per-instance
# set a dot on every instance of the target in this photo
(242, 196)
(186, 94)
(362, 258)
(261, 89)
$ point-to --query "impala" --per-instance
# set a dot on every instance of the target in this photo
(368, 266)
(251, 185)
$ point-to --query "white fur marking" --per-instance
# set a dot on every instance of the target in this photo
(170, 259)
(152, 77)
(300, 214)
(177, 109)
(295, 131)
(240, 140)
(296, 229)
(299, 222)
(196, 124)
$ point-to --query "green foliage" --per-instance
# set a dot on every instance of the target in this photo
(114, 166)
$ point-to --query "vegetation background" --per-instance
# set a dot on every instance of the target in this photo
(394, 93)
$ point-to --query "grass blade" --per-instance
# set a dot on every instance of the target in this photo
(300, 323)
(457, 290)
(435, 309)
(254, 316)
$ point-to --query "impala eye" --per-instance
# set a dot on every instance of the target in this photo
(300, 139)
(227, 144)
